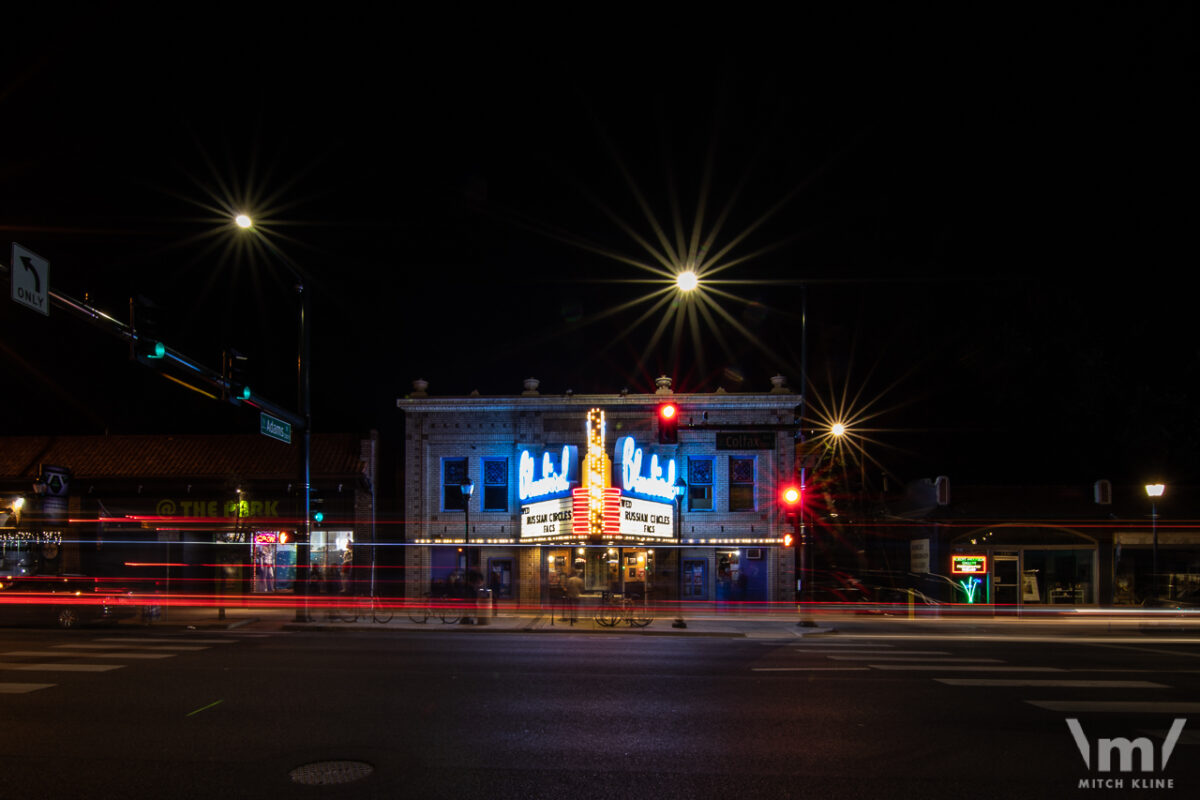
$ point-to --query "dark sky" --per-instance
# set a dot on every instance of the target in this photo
(993, 216)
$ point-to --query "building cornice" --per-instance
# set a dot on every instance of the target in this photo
(639, 402)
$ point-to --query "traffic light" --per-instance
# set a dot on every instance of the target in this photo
(235, 375)
(668, 423)
(143, 319)
(316, 505)
(790, 497)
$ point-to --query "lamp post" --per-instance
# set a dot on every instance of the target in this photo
(1154, 491)
(680, 491)
(468, 488)
(303, 402)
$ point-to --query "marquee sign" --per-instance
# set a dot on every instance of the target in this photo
(557, 505)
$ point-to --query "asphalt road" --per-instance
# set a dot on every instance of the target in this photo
(179, 714)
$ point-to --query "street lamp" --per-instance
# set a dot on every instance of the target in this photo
(467, 487)
(303, 401)
(687, 281)
(680, 491)
(1154, 491)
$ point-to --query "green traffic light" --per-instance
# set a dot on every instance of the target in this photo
(157, 350)
(245, 392)
(318, 516)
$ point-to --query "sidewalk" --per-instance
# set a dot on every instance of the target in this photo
(201, 618)
(753, 626)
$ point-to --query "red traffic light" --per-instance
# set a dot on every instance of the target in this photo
(791, 495)
(668, 423)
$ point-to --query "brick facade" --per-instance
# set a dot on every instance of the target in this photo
(736, 544)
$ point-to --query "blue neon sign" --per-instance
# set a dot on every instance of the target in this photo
(653, 479)
(546, 480)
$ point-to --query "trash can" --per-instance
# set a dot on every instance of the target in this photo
(483, 607)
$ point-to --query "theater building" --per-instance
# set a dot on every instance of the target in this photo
(525, 490)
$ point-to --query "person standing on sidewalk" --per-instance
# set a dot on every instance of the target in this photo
(574, 590)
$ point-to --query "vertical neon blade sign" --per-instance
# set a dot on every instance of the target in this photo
(596, 479)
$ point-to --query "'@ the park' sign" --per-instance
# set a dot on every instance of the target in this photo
(563, 499)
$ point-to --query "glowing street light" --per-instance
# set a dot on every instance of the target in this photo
(838, 429)
(1154, 491)
(304, 401)
(687, 281)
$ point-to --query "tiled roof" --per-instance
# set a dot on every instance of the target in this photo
(245, 455)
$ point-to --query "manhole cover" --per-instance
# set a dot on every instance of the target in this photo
(324, 773)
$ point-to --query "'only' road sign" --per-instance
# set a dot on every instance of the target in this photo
(30, 279)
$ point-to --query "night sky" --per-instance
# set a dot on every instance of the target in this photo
(992, 216)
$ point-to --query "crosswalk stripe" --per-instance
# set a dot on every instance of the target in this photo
(68, 667)
(890, 657)
(88, 654)
(176, 647)
(23, 688)
(1116, 706)
(164, 642)
(875, 653)
(965, 668)
(810, 669)
(1062, 683)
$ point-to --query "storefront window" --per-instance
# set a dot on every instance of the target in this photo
(331, 560)
(1058, 577)
(273, 558)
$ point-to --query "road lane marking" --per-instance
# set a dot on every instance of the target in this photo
(1058, 682)
(150, 639)
(26, 667)
(204, 708)
(1154, 650)
(810, 669)
(88, 654)
(1116, 706)
(23, 688)
(890, 657)
(823, 643)
(965, 668)
(164, 642)
(183, 647)
(876, 653)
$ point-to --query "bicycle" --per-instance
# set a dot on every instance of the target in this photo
(421, 613)
(616, 609)
(374, 609)
(346, 608)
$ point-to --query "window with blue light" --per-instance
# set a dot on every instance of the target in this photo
(700, 483)
(454, 474)
(495, 484)
(741, 483)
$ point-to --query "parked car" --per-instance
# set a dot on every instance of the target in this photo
(67, 601)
